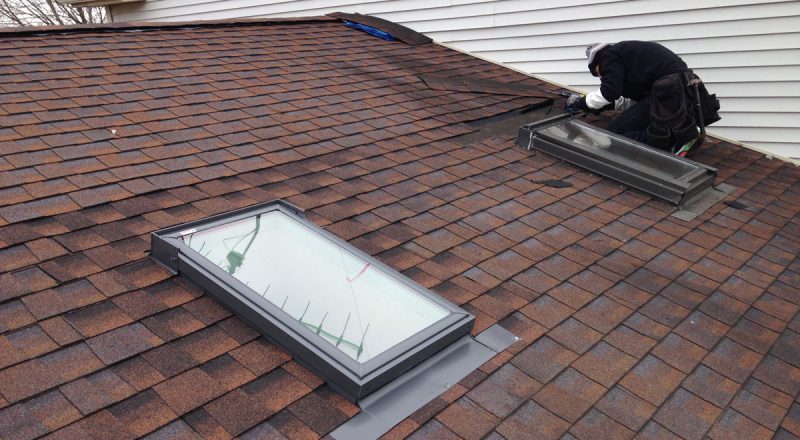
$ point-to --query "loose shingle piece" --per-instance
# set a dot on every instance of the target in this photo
(630, 321)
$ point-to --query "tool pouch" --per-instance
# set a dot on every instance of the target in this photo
(708, 102)
(671, 119)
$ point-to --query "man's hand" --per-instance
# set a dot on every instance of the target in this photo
(576, 103)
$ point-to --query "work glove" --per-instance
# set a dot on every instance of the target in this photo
(576, 103)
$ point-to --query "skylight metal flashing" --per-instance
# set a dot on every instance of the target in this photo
(338, 311)
(674, 179)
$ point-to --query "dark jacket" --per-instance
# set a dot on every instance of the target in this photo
(629, 68)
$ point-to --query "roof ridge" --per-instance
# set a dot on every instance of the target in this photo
(147, 25)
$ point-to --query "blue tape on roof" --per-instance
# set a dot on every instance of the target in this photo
(370, 30)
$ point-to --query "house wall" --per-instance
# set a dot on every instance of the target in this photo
(748, 52)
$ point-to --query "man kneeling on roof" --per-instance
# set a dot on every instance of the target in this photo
(664, 114)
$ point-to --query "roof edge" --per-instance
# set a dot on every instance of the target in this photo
(147, 25)
(93, 3)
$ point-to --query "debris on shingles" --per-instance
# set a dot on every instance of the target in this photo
(553, 183)
(631, 321)
(735, 204)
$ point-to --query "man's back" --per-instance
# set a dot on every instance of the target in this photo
(629, 68)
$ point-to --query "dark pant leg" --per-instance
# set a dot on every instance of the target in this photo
(633, 122)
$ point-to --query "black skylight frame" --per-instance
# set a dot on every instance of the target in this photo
(351, 378)
(677, 190)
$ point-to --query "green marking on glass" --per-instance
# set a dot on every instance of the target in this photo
(333, 338)
(236, 259)
(341, 337)
(319, 329)
(361, 345)
(304, 312)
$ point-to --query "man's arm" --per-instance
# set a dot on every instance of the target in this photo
(612, 79)
(595, 100)
(581, 103)
(612, 82)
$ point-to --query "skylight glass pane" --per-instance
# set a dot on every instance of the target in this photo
(348, 302)
(622, 150)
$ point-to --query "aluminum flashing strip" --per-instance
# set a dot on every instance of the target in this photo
(338, 311)
(399, 399)
(497, 338)
(655, 172)
(690, 209)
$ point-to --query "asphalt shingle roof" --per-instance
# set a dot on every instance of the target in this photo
(632, 322)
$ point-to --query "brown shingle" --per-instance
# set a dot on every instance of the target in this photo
(260, 356)
(25, 281)
(30, 342)
(652, 380)
(70, 267)
(626, 408)
(97, 318)
(687, 415)
(732, 423)
(38, 208)
(532, 421)
(142, 413)
(14, 315)
(504, 390)
(575, 335)
(544, 359)
(603, 314)
(467, 419)
(172, 323)
(40, 415)
(188, 390)
(138, 373)
(323, 410)
(37, 375)
(701, 329)
(570, 395)
(732, 360)
(96, 391)
(123, 342)
(604, 364)
(61, 299)
(711, 386)
(596, 425)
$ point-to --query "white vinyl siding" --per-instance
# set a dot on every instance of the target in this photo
(747, 51)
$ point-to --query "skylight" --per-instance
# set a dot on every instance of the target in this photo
(352, 305)
(320, 298)
(661, 174)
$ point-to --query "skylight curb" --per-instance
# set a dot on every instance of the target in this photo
(351, 378)
(670, 178)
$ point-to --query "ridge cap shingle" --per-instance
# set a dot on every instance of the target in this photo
(147, 25)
